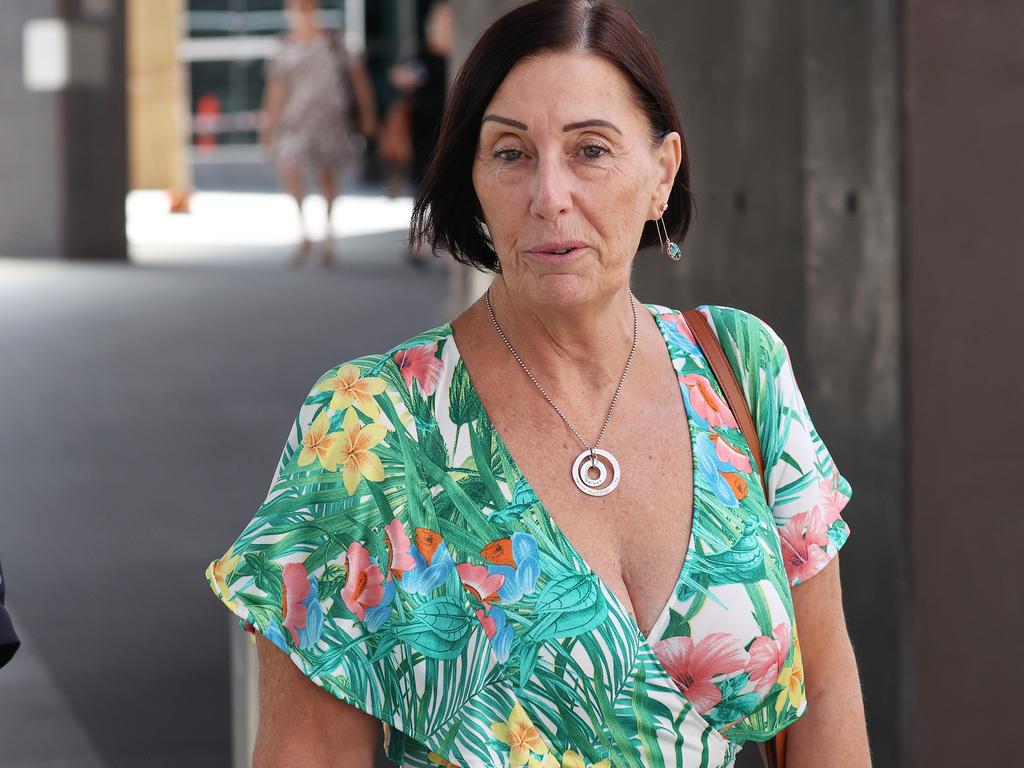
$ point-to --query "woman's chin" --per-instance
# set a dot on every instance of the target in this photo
(558, 289)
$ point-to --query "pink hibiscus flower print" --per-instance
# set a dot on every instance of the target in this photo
(294, 591)
(803, 554)
(832, 501)
(420, 363)
(768, 658)
(693, 666)
(706, 402)
(679, 324)
(480, 582)
(729, 455)
(490, 628)
(364, 582)
(398, 544)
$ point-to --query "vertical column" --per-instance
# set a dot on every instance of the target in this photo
(63, 164)
(852, 334)
(157, 98)
(31, 153)
(964, 69)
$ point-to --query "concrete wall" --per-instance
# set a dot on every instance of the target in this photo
(31, 213)
(792, 114)
(63, 168)
(965, 173)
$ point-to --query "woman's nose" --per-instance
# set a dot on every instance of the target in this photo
(552, 189)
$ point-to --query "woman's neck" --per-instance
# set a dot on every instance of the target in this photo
(571, 348)
(306, 29)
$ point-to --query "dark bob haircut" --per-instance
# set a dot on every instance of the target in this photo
(446, 212)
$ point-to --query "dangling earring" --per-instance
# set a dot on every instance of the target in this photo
(667, 246)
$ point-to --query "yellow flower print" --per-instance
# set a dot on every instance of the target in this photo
(521, 735)
(572, 759)
(349, 389)
(436, 759)
(352, 450)
(792, 680)
(548, 761)
(218, 572)
(317, 444)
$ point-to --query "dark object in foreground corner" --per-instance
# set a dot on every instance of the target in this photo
(8, 639)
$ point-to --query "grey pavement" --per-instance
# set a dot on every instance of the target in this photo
(38, 728)
(142, 411)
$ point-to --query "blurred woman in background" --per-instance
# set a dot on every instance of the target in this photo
(317, 95)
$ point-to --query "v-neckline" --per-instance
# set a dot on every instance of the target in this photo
(687, 566)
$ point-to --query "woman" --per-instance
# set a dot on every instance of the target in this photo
(311, 81)
(449, 546)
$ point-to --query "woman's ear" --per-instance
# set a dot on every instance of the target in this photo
(667, 158)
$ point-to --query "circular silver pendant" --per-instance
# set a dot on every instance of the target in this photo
(596, 472)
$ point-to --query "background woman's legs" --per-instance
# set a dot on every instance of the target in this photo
(328, 181)
(291, 177)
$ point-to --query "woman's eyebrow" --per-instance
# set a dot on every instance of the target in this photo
(504, 121)
(590, 123)
(568, 127)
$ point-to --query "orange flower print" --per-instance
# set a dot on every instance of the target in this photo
(427, 542)
(499, 552)
(351, 390)
(737, 483)
(318, 443)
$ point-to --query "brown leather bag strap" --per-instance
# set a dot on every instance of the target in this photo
(773, 752)
(726, 376)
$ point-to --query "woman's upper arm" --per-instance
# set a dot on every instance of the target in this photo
(300, 724)
(821, 622)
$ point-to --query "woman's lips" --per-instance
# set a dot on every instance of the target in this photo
(557, 251)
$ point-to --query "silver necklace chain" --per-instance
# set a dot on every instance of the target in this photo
(615, 397)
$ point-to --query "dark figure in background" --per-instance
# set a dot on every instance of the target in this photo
(425, 85)
(8, 639)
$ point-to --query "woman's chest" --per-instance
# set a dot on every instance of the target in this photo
(635, 538)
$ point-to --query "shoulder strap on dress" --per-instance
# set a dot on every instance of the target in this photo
(773, 752)
(726, 376)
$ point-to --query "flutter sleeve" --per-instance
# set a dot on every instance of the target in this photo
(318, 570)
(806, 491)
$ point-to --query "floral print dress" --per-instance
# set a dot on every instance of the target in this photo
(406, 566)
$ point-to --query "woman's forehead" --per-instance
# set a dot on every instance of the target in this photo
(563, 88)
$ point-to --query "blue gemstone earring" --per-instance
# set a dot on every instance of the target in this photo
(674, 251)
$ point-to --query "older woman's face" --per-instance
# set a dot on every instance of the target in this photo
(566, 175)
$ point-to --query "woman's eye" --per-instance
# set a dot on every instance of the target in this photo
(593, 151)
(509, 155)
